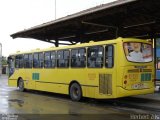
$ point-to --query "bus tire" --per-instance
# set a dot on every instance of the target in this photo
(75, 92)
(21, 85)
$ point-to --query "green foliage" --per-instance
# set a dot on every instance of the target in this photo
(4, 60)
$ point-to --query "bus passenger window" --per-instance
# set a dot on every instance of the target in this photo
(66, 58)
(26, 61)
(19, 61)
(41, 60)
(16, 62)
(35, 60)
(60, 62)
(109, 56)
(73, 57)
(38, 60)
(95, 57)
(82, 57)
(47, 59)
(30, 61)
(63, 58)
(53, 59)
(78, 57)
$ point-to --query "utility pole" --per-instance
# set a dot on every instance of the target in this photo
(55, 9)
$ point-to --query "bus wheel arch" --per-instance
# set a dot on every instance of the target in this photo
(20, 84)
(75, 91)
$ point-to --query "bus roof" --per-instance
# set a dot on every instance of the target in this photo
(91, 43)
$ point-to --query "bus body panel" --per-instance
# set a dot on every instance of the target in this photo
(100, 83)
(121, 92)
(137, 78)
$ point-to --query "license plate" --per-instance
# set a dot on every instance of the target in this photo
(138, 86)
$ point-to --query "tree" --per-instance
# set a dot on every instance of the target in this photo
(4, 60)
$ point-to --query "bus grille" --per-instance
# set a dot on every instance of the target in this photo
(105, 84)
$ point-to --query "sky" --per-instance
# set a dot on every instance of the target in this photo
(17, 15)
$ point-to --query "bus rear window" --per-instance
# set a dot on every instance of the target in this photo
(138, 52)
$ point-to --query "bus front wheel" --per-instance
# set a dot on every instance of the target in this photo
(75, 92)
(21, 85)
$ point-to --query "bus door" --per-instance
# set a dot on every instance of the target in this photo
(100, 64)
(107, 78)
(11, 67)
(30, 84)
(28, 63)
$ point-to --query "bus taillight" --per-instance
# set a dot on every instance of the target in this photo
(125, 82)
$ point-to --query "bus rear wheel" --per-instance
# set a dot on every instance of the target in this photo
(75, 92)
(21, 85)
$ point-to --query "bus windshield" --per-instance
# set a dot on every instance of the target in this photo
(138, 52)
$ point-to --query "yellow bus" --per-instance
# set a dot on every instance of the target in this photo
(101, 70)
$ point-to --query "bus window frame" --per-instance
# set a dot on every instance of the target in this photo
(95, 61)
(85, 52)
(47, 59)
(25, 60)
(30, 61)
(19, 61)
(113, 56)
(38, 60)
(57, 60)
(141, 44)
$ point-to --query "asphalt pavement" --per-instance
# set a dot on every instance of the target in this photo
(33, 105)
